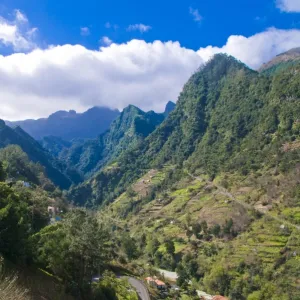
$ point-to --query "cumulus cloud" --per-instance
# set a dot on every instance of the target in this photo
(17, 33)
(105, 41)
(85, 31)
(258, 48)
(139, 27)
(145, 74)
(196, 15)
(289, 5)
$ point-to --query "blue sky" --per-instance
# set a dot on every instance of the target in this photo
(59, 22)
(62, 54)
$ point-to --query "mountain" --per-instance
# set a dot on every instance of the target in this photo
(69, 124)
(210, 192)
(130, 128)
(169, 108)
(228, 117)
(213, 192)
(56, 170)
(281, 61)
(55, 145)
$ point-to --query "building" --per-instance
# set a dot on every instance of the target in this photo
(156, 283)
(52, 210)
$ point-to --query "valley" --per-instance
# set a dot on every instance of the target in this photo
(207, 192)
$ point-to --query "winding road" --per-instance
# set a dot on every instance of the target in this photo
(140, 287)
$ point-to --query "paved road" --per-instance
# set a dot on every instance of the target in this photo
(140, 288)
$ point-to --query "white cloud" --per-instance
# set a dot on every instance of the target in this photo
(20, 17)
(289, 5)
(105, 41)
(85, 31)
(17, 33)
(145, 74)
(196, 15)
(258, 48)
(139, 27)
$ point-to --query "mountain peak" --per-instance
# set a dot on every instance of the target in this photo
(132, 109)
(220, 65)
(170, 106)
(282, 60)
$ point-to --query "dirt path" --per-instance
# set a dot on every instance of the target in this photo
(223, 191)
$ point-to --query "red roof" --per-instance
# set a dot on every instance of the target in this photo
(159, 282)
(219, 298)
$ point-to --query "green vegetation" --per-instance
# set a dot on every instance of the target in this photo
(112, 288)
(238, 120)
(211, 192)
(237, 130)
(127, 131)
(55, 170)
(68, 253)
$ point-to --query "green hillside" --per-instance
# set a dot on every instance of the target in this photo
(227, 118)
(210, 191)
(213, 191)
(130, 128)
(56, 170)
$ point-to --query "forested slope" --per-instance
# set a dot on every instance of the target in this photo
(227, 118)
(55, 169)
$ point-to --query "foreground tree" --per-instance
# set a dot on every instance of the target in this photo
(74, 250)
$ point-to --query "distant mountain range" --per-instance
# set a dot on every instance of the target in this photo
(69, 124)
(131, 127)
(71, 142)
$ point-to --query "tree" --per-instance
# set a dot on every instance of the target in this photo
(2, 172)
(74, 250)
(129, 247)
(15, 224)
(218, 281)
(152, 246)
(110, 287)
(204, 226)
(183, 277)
(216, 230)
(196, 228)
(170, 247)
(227, 227)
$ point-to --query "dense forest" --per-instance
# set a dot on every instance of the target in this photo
(209, 190)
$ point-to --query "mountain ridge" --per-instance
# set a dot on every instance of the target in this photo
(194, 126)
(280, 61)
(69, 124)
(55, 170)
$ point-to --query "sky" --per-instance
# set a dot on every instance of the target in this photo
(62, 55)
